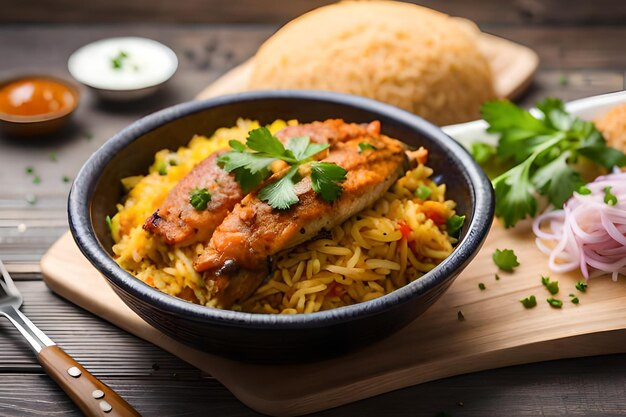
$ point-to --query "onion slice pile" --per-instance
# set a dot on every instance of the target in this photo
(589, 233)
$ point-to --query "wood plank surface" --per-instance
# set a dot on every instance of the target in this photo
(577, 60)
(512, 12)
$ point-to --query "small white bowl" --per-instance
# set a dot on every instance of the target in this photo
(123, 69)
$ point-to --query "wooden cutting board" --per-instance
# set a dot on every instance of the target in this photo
(497, 331)
(512, 65)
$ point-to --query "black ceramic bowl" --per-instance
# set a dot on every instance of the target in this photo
(265, 337)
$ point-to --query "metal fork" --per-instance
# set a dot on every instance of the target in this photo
(92, 396)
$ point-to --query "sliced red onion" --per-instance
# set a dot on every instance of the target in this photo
(588, 233)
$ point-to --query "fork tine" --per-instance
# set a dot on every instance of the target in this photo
(8, 284)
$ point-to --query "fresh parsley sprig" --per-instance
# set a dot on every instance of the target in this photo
(250, 163)
(537, 155)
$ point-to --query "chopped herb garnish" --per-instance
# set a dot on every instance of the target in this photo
(423, 192)
(563, 80)
(497, 277)
(540, 155)
(162, 168)
(455, 223)
(581, 286)
(53, 156)
(326, 179)
(555, 302)
(583, 190)
(460, 316)
(529, 302)
(29, 170)
(118, 61)
(505, 259)
(575, 299)
(251, 162)
(65, 179)
(609, 197)
(481, 286)
(364, 146)
(36, 179)
(551, 286)
(199, 198)
(107, 219)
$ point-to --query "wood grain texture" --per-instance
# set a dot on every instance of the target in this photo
(497, 331)
(512, 12)
(512, 65)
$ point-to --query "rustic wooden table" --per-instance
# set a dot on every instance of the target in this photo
(576, 61)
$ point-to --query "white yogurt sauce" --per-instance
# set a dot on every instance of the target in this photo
(127, 63)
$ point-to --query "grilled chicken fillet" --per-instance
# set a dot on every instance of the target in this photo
(238, 257)
(177, 222)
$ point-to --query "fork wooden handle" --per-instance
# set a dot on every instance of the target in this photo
(93, 397)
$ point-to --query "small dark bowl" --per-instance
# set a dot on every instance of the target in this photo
(41, 124)
(265, 337)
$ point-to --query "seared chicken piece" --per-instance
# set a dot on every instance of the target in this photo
(238, 257)
(178, 223)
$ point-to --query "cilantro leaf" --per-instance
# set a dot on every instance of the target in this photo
(554, 302)
(302, 148)
(505, 259)
(581, 286)
(326, 179)
(455, 223)
(262, 140)
(236, 145)
(557, 180)
(199, 198)
(364, 146)
(551, 286)
(281, 194)
(529, 302)
(251, 162)
(545, 150)
(514, 200)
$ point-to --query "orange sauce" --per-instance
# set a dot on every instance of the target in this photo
(34, 97)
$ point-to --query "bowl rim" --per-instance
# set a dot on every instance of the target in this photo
(81, 193)
(44, 117)
(171, 56)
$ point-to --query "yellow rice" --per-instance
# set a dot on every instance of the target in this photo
(366, 257)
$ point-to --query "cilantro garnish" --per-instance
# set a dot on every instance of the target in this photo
(326, 179)
(250, 163)
(555, 302)
(538, 155)
(505, 259)
(29, 170)
(551, 286)
(574, 299)
(581, 286)
(65, 179)
(107, 220)
(53, 156)
(529, 302)
(423, 192)
(609, 197)
(482, 286)
(36, 179)
(199, 198)
(455, 223)
(118, 61)
(364, 146)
